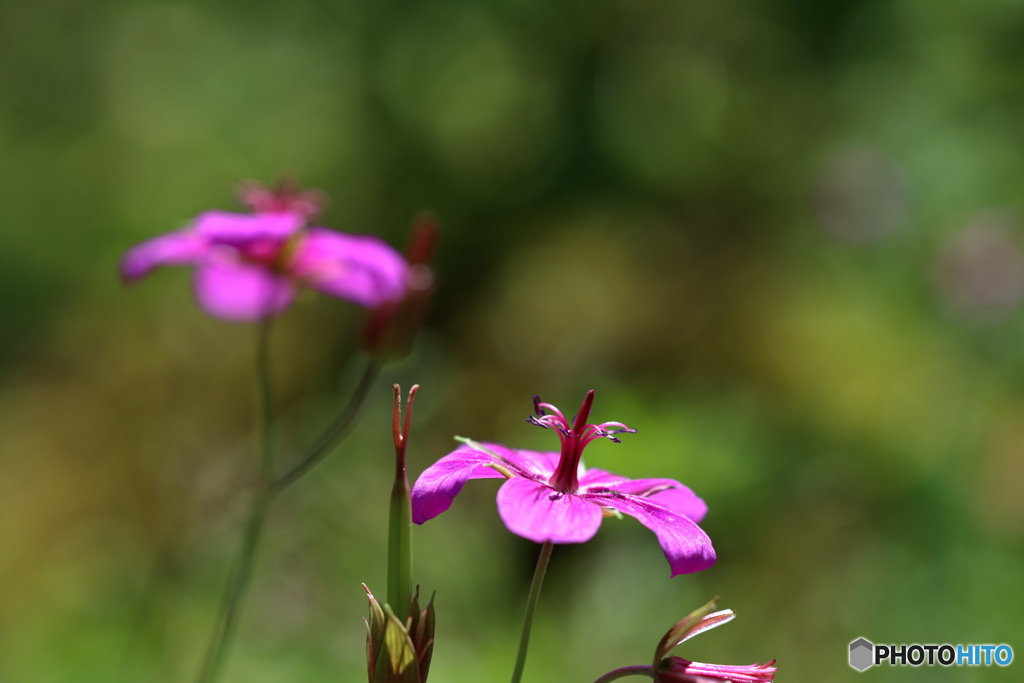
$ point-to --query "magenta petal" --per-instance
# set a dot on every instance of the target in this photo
(600, 478)
(239, 229)
(538, 465)
(682, 500)
(687, 548)
(359, 268)
(175, 248)
(435, 489)
(539, 513)
(229, 289)
(667, 492)
(685, 671)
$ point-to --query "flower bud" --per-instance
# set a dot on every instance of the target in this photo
(391, 327)
(396, 651)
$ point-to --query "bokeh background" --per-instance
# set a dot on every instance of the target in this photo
(781, 238)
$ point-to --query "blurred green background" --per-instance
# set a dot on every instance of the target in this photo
(781, 238)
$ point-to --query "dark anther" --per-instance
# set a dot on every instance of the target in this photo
(657, 489)
(536, 405)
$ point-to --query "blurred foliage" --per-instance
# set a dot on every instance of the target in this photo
(781, 238)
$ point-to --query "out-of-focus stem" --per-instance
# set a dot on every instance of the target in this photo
(238, 583)
(531, 607)
(267, 421)
(334, 432)
(267, 488)
(234, 594)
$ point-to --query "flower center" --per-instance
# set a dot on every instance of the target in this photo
(574, 438)
(273, 254)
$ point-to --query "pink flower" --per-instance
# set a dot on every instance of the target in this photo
(679, 670)
(551, 497)
(250, 266)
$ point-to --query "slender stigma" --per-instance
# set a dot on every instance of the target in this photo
(573, 438)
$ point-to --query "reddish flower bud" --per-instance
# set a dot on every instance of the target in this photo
(391, 327)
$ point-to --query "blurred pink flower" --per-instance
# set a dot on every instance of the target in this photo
(250, 266)
(551, 497)
(979, 271)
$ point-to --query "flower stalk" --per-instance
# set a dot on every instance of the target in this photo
(335, 432)
(400, 511)
(399, 634)
(531, 607)
(626, 671)
(238, 583)
(267, 488)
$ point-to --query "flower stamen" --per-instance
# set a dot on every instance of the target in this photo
(573, 438)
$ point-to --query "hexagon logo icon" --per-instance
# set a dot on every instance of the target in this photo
(862, 654)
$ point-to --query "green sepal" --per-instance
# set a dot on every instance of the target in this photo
(677, 633)
(611, 512)
(374, 633)
(396, 662)
(476, 445)
(397, 651)
(423, 636)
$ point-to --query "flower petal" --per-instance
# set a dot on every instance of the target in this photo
(359, 268)
(682, 500)
(684, 671)
(175, 248)
(687, 548)
(537, 512)
(232, 290)
(239, 229)
(538, 465)
(667, 492)
(594, 478)
(435, 489)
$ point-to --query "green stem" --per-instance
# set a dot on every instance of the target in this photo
(268, 425)
(400, 512)
(335, 431)
(235, 593)
(400, 550)
(238, 583)
(641, 670)
(531, 607)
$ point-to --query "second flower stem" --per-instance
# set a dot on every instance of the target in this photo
(333, 434)
(531, 607)
(268, 486)
(234, 593)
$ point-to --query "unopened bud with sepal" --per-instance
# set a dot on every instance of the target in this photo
(397, 651)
